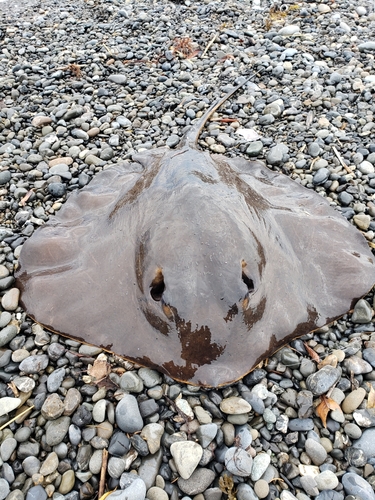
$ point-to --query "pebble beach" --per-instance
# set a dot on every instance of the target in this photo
(87, 84)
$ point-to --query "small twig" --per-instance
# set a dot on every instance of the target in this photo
(26, 197)
(343, 164)
(103, 471)
(209, 45)
(15, 418)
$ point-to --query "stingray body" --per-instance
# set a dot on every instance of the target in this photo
(196, 264)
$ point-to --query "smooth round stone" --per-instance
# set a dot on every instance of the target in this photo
(7, 334)
(345, 198)
(254, 148)
(315, 451)
(353, 431)
(5, 318)
(326, 480)
(36, 493)
(261, 488)
(34, 364)
(55, 379)
(260, 464)
(5, 177)
(289, 30)
(152, 434)
(99, 410)
(321, 176)
(131, 382)
(321, 381)
(353, 400)
(300, 424)
(50, 464)
(356, 485)
(8, 404)
(31, 466)
(366, 167)
(357, 365)
(128, 417)
(366, 442)
(95, 463)
(67, 482)
(72, 400)
(16, 495)
(362, 221)
(198, 482)
(369, 356)
(10, 299)
(156, 493)
(234, 406)
(119, 79)
(24, 384)
(186, 455)
(57, 430)
(245, 492)
(22, 434)
(7, 448)
(238, 462)
(75, 435)
(56, 189)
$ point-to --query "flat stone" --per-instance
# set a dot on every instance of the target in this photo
(10, 299)
(238, 462)
(353, 400)
(7, 334)
(36, 493)
(355, 485)
(7, 448)
(186, 455)
(131, 382)
(8, 404)
(34, 364)
(357, 365)
(198, 482)
(234, 406)
(366, 442)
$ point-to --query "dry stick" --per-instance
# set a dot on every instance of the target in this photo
(103, 471)
(343, 164)
(209, 45)
(15, 418)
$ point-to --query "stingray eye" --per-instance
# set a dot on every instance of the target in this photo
(245, 278)
(157, 286)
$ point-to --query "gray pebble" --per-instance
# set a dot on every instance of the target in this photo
(356, 485)
(238, 462)
(128, 417)
(34, 364)
(321, 381)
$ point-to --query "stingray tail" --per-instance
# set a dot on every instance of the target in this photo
(191, 137)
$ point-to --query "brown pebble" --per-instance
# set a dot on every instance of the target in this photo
(261, 488)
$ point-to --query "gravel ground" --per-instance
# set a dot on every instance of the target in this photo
(84, 85)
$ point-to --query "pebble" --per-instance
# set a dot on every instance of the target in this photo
(36, 493)
(197, 483)
(186, 455)
(356, 485)
(238, 462)
(34, 364)
(234, 406)
(8, 404)
(362, 312)
(128, 417)
(321, 381)
(315, 451)
(10, 299)
(353, 400)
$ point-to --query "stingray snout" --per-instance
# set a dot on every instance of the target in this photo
(229, 291)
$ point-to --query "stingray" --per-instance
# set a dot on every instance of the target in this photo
(195, 264)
